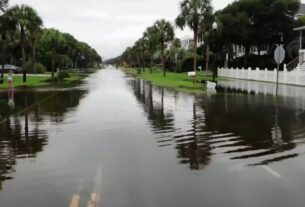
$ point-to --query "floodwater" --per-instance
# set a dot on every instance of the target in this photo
(119, 142)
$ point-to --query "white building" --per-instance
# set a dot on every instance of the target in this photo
(239, 51)
(187, 42)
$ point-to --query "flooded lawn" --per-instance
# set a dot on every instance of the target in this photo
(121, 142)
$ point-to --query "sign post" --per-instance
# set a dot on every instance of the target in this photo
(279, 56)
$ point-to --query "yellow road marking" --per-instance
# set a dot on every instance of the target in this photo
(74, 201)
(95, 196)
(93, 200)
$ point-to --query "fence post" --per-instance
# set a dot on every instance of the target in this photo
(285, 74)
(242, 73)
(249, 73)
(266, 74)
(257, 74)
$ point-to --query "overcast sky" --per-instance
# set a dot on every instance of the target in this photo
(109, 26)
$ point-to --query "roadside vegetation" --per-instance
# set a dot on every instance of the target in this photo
(25, 43)
(67, 78)
(177, 81)
(243, 34)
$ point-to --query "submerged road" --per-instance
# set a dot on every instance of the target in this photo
(120, 142)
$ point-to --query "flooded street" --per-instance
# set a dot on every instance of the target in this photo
(116, 141)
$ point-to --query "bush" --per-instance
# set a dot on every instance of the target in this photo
(62, 75)
(186, 65)
(39, 68)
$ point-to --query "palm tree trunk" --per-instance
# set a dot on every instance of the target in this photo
(53, 67)
(195, 54)
(162, 59)
(3, 62)
(34, 57)
(207, 60)
(23, 54)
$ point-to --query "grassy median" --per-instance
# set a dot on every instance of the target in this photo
(178, 81)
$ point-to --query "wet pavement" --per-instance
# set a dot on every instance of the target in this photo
(117, 141)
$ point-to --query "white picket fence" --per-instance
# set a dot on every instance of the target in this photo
(295, 77)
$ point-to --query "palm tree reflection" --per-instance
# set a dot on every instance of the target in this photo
(186, 135)
(22, 134)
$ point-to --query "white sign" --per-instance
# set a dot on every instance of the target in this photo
(191, 74)
(279, 54)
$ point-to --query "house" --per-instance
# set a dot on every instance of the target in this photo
(239, 50)
(187, 42)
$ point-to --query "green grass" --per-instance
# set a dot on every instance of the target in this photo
(36, 81)
(178, 81)
(32, 81)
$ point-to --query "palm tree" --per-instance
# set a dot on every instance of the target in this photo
(164, 32)
(150, 39)
(193, 13)
(3, 29)
(53, 41)
(26, 19)
(35, 32)
(3, 5)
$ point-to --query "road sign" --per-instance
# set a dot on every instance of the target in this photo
(279, 54)
(191, 74)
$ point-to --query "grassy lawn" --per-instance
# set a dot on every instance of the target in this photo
(44, 80)
(178, 81)
(32, 81)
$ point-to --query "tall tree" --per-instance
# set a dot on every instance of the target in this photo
(252, 23)
(192, 14)
(52, 42)
(34, 32)
(150, 39)
(3, 5)
(164, 32)
(3, 28)
(25, 19)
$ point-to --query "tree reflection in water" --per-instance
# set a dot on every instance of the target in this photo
(21, 130)
(257, 129)
(186, 135)
(262, 128)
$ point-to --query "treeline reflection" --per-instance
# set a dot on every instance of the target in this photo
(22, 132)
(259, 130)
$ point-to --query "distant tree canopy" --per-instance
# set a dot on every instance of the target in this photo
(24, 42)
(3, 5)
(63, 50)
(257, 22)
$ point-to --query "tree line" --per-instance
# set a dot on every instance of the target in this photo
(248, 23)
(25, 43)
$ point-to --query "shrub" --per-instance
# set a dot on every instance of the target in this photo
(39, 68)
(186, 65)
(62, 75)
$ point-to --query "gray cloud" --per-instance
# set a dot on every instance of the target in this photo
(107, 25)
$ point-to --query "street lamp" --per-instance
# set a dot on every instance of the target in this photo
(214, 29)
